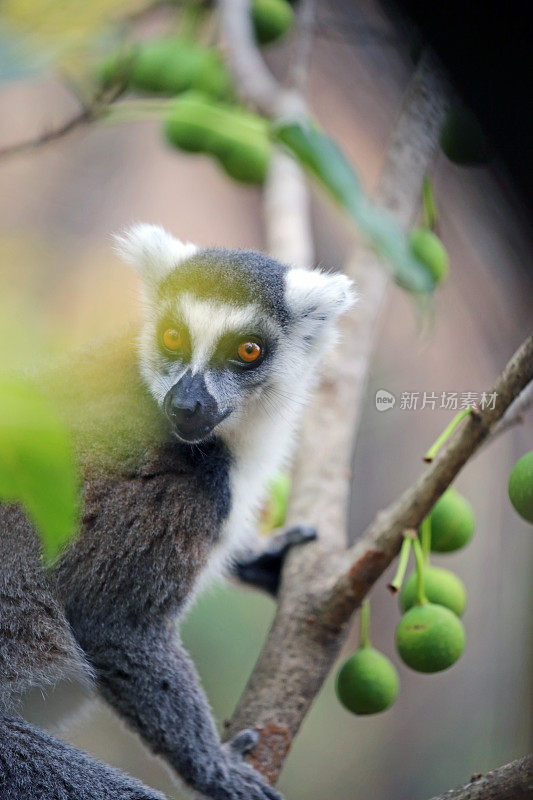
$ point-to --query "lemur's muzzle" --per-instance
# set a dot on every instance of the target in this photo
(190, 407)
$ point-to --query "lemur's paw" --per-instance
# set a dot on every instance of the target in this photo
(298, 534)
(243, 742)
(243, 782)
(263, 569)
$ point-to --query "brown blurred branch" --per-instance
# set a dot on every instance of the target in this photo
(253, 79)
(513, 781)
(82, 117)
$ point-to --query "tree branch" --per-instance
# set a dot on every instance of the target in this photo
(92, 111)
(286, 204)
(253, 80)
(301, 645)
(368, 558)
(513, 781)
(82, 117)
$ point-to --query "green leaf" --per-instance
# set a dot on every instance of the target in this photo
(37, 466)
(326, 162)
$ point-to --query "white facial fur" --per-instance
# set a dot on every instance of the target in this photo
(260, 431)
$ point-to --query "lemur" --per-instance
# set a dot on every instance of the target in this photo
(228, 352)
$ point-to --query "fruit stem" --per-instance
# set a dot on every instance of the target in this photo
(396, 584)
(425, 537)
(432, 452)
(420, 567)
(364, 630)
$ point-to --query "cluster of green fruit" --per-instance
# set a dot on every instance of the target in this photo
(171, 65)
(237, 138)
(430, 636)
(168, 66)
(204, 117)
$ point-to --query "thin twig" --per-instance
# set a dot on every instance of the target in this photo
(92, 111)
(82, 117)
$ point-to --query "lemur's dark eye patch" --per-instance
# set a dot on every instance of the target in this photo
(174, 339)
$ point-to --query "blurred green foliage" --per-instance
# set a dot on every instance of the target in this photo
(37, 467)
(326, 162)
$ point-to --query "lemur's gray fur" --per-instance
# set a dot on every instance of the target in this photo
(109, 607)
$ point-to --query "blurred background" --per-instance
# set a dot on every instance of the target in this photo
(61, 286)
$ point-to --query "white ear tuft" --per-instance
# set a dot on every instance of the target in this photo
(318, 297)
(152, 251)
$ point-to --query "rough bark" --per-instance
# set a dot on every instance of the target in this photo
(513, 781)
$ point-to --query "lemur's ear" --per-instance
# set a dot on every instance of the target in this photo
(152, 251)
(316, 298)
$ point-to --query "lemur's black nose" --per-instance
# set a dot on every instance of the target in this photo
(182, 401)
(181, 406)
(190, 407)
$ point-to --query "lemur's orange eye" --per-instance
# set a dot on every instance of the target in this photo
(249, 351)
(172, 339)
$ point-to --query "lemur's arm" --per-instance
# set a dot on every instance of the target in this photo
(149, 679)
(36, 766)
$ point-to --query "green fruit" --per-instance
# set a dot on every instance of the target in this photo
(430, 638)
(452, 522)
(462, 139)
(237, 138)
(367, 682)
(429, 249)
(247, 164)
(521, 486)
(440, 586)
(169, 66)
(271, 19)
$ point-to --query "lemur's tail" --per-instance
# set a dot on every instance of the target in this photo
(36, 644)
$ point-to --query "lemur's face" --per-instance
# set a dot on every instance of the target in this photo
(227, 334)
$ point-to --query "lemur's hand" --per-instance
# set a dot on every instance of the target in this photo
(262, 567)
(237, 780)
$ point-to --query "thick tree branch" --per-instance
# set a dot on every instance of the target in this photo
(513, 781)
(302, 645)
